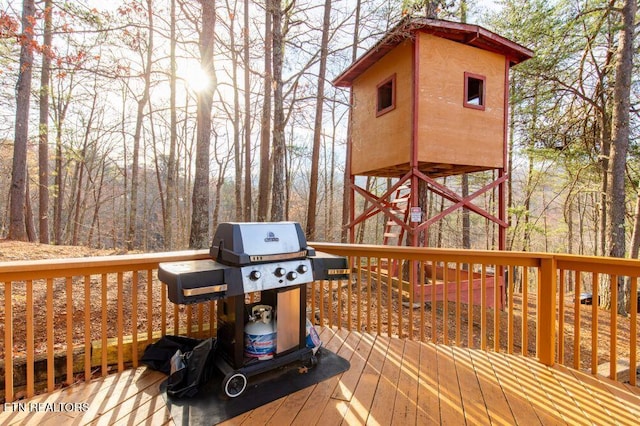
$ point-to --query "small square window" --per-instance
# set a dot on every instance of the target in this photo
(474, 91)
(386, 96)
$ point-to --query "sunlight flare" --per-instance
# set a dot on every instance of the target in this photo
(196, 78)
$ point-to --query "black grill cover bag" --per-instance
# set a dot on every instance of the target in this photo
(157, 356)
(191, 368)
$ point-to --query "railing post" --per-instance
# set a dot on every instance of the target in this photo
(546, 332)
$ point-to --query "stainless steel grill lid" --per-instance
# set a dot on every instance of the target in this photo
(240, 244)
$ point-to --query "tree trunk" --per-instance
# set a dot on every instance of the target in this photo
(58, 184)
(247, 118)
(95, 221)
(237, 146)
(81, 162)
(29, 225)
(510, 235)
(142, 103)
(620, 143)
(329, 223)
(317, 126)
(199, 237)
(264, 185)
(171, 162)
(346, 194)
(278, 195)
(635, 237)
(43, 131)
(17, 230)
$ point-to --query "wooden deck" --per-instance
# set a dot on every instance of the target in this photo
(391, 381)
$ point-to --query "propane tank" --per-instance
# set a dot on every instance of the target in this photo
(260, 333)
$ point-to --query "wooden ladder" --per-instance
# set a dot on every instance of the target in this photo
(393, 232)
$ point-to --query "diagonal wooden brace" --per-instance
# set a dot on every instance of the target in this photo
(459, 201)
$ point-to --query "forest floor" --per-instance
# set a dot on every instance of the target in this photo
(364, 316)
(11, 251)
(18, 250)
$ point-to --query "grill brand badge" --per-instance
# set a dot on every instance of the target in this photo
(271, 238)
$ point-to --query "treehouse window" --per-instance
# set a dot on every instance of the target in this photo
(386, 96)
(474, 91)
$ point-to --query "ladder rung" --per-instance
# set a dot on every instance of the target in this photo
(399, 200)
(390, 235)
(392, 223)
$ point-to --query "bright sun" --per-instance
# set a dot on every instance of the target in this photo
(196, 78)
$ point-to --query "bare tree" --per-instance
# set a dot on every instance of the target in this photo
(17, 228)
(235, 113)
(278, 194)
(43, 131)
(317, 127)
(247, 117)
(173, 135)
(142, 103)
(620, 141)
(264, 185)
(199, 236)
(346, 195)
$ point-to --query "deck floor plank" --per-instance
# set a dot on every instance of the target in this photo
(521, 406)
(450, 397)
(563, 402)
(288, 413)
(391, 381)
(606, 395)
(492, 393)
(588, 393)
(383, 410)
(358, 360)
(473, 403)
(78, 392)
(405, 408)
(153, 411)
(314, 404)
(336, 405)
(428, 401)
(125, 410)
(526, 384)
(362, 398)
(103, 403)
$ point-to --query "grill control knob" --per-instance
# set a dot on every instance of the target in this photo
(255, 275)
(302, 269)
(292, 276)
(279, 272)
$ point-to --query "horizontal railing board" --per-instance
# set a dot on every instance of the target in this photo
(59, 268)
(487, 257)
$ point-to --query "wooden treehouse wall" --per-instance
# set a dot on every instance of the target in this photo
(448, 132)
(449, 135)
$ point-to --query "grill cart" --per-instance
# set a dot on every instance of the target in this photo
(272, 262)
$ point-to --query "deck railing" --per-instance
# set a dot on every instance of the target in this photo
(71, 319)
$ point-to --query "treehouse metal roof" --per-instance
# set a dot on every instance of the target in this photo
(471, 35)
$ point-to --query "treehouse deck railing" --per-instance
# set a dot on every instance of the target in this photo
(66, 320)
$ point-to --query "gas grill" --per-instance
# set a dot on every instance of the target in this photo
(272, 262)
